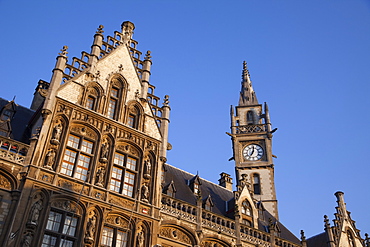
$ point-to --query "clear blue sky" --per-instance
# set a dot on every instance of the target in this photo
(308, 59)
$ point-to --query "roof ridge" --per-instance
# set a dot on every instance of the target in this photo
(199, 177)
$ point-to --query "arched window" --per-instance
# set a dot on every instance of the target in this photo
(113, 102)
(246, 208)
(77, 157)
(251, 118)
(351, 240)
(113, 237)
(115, 232)
(115, 96)
(133, 117)
(123, 176)
(61, 229)
(90, 102)
(256, 184)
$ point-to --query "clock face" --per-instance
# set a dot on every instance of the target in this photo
(253, 152)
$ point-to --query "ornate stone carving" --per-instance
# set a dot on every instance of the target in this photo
(90, 227)
(140, 237)
(66, 205)
(82, 130)
(99, 194)
(145, 192)
(50, 159)
(35, 213)
(116, 221)
(72, 186)
(27, 240)
(57, 132)
(104, 152)
(147, 168)
(121, 202)
(100, 176)
(5, 183)
(46, 177)
(173, 233)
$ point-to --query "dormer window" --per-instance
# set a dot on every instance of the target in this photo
(7, 114)
(208, 203)
(196, 188)
(170, 189)
(194, 184)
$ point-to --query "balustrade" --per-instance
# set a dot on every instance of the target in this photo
(253, 128)
(178, 208)
(13, 150)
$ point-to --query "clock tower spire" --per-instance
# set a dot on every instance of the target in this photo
(247, 94)
(252, 145)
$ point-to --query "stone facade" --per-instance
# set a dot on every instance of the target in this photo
(89, 168)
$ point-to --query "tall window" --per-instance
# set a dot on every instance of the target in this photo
(256, 184)
(123, 174)
(77, 157)
(90, 103)
(132, 120)
(133, 117)
(113, 237)
(60, 230)
(113, 102)
(250, 117)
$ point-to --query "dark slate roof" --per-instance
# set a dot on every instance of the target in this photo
(320, 240)
(219, 196)
(263, 223)
(19, 122)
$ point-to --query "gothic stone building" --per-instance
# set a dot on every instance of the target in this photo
(86, 165)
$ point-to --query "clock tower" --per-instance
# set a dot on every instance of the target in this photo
(252, 145)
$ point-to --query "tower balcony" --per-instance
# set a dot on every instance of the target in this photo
(251, 128)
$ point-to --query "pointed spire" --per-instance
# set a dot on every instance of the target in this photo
(247, 94)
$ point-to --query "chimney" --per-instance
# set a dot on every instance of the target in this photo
(226, 181)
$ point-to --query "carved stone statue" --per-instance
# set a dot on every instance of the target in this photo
(145, 193)
(90, 228)
(35, 212)
(140, 238)
(104, 152)
(50, 159)
(100, 176)
(57, 132)
(27, 239)
(147, 168)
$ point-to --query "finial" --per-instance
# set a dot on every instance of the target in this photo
(100, 29)
(367, 240)
(166, 100)
(64, 52)
(13, 98)
(326, 220)
(303, 237)
(147, 55)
